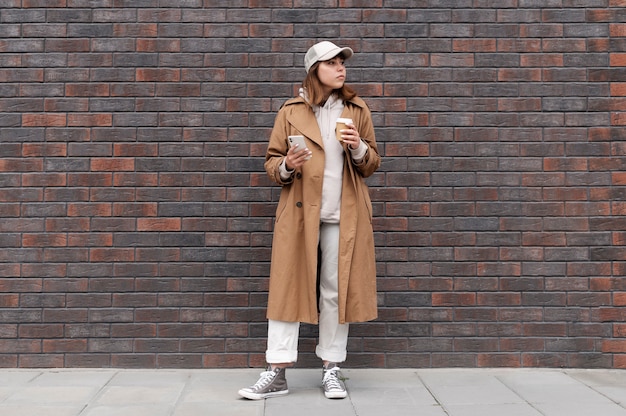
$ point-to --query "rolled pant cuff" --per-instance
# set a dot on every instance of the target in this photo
(278, 357)
(332, 356)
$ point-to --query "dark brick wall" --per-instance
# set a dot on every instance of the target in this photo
(136, 217)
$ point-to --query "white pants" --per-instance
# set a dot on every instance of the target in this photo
(282, 337)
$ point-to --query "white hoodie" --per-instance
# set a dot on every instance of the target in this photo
(327, 116)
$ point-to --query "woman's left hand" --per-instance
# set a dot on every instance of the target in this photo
(350, 136)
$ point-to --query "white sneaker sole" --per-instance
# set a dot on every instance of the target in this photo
(259, 396)
(336, 394)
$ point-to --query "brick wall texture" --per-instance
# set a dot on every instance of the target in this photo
(136, 217)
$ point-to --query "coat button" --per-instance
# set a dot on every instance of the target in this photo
(299, 204)
(298, 175)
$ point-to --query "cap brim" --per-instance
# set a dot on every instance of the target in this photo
(345, 52)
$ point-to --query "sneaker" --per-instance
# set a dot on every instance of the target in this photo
(334, 388)
(272, 383)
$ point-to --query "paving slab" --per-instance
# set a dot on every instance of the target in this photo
(371, 392)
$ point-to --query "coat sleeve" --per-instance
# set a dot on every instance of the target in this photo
(277, 148)
(371, 162)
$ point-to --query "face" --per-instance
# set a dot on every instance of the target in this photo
(332, 73)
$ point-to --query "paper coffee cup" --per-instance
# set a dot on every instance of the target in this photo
(342, 125)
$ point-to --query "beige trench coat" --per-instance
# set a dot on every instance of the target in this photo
(294, 267)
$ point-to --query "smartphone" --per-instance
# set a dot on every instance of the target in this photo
(299, 140)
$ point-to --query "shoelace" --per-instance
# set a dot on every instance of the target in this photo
(330, 380)
(266, 378)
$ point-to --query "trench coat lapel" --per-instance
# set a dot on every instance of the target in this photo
(306, 123)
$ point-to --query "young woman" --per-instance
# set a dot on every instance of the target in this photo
(323, 266)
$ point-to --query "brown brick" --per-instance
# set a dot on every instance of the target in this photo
(44, 240)
(87, 90)
(474, 45)
(37, 179)
(618, 119)
(158, 224)
(65, 346)
(159, 75)
(453, 299)
(158, 45)
(41, 360)
(90, 120)
(44, 120)
(618, 89)
(112, 164)
(617, 29)
(44, 149)
(135, 149)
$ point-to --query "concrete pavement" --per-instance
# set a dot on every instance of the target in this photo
(375, 392)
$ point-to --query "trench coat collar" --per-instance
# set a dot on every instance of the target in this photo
(306, 123)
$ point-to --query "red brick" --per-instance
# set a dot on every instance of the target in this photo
(65, 224)
(44, 120)
(617, 59)
(541, 60)
(408, 149)
(64, 346)
(619, 330)
(618, 89)
(617, 29)
(133, 360)
(43, 179)
(612, 314)
(614, 346)
(44, 240)
(74, 46)
(512, 75)
(41, 360)
(511, 360)
(43, 3)
(519, 45)
(519, 104)
(158, 45)
(9, 301)
(21, 165)
(158, 75)
(90, 179)
(135, 149)
(619, 298)
(619, 361)
(148, 209)
(618, 119)
(158, 224)
(44, 149)
(112, 164)
(618, 178)
(474, 45)
(225, 360)
(102, 209)
(452, 60)
(453, 299)
(90, 240)
(87, 90)
(90, 120)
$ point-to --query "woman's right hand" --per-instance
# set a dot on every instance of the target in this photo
(297, 157)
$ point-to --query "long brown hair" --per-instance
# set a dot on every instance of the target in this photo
(315, 90)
